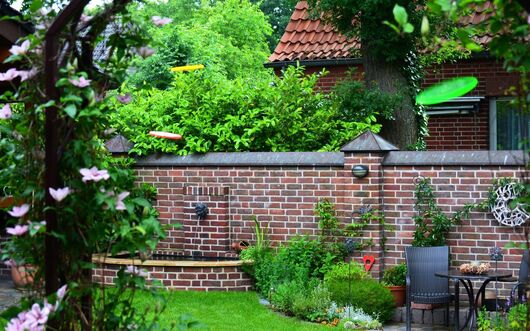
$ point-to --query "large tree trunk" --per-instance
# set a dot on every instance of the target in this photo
(402, 131)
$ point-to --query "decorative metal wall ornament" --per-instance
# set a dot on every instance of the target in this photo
(501, 209)
(201, 210)
(349, 244)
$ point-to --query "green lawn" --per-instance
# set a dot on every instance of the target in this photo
(237, 311)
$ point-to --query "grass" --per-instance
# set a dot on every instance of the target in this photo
(228, 311)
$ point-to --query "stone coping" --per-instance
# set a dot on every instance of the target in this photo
(297, 159)
(103, 259)
(456, 158)
(336, 159)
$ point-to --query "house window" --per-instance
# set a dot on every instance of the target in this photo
(508, 127)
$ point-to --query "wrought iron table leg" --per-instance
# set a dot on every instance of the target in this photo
(456, 283)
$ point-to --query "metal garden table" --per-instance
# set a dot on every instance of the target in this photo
(467, 280)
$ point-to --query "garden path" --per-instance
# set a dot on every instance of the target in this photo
(8, 294)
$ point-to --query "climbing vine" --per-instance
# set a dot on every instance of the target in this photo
(432, 224)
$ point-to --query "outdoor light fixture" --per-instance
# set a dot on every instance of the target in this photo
(360, 171)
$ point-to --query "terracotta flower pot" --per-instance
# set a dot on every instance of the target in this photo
(398, 292)
(22, 275)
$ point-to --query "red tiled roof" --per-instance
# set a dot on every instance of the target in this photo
(306, 39)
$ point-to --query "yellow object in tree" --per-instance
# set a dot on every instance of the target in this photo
(188, 68)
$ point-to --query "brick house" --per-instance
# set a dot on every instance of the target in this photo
(480, 121)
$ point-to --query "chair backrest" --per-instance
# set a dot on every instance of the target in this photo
(523, 272)
(422, 264)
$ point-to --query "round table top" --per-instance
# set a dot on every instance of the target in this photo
(492, 274)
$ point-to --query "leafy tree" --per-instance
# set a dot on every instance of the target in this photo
(278, 12)
(384, 53)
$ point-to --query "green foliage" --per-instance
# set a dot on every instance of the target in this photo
(356, 102)
(328, 223)
(366, 294)
(278, 13)
(383, 42)
(346, 271)
(302, 259)
(261, 234)
(515, 320)
(304, 300)
(154, 70)
(217, 114)
(396, 275)
(432, 225)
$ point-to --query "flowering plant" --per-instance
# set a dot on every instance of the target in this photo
(98, 207)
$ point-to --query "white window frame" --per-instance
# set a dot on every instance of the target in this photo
(493, 119)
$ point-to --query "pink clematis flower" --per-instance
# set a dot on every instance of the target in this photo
(60, 193)
(94, 174)
(17, 323)
(61, 292)
(20, 50)
(134, 270)
(119, 200)
(5, 112)
(37, 316)
(19, 211)
(160, 21)
(27, 74)
(81, 82)
(9, 75)
(145, 51)
(18, 230)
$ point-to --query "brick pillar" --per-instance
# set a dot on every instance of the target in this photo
(367, 150)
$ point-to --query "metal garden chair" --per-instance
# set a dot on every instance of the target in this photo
(422, 285)
(518, 289)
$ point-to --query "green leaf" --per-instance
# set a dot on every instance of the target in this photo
(408, 28)
(446, 90)
(35, 5)
(400, 15)
(424, 26)
(70, 110)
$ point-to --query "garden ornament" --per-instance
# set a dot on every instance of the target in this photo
(201, 210)
(368, 261)
(501, 209)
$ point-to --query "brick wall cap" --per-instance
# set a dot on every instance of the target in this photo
(368, 142)
(119, 144)
(457, 158)
(300, 159)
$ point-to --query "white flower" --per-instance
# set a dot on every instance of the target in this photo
(19, 211)
(20, 50)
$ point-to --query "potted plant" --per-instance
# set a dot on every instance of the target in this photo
(394, 279)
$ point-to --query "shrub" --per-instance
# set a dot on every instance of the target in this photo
(366, 294)
(302, 259)
(343, 271)
(396, 275)
(304, 300)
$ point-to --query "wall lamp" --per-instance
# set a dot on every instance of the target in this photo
(360, 171)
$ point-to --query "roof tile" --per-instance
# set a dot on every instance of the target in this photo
(311, 39)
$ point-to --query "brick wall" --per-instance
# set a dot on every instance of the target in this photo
(451, 132)
(285, 196)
